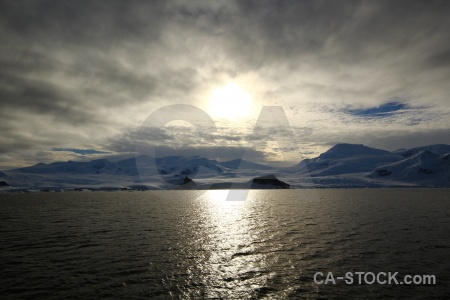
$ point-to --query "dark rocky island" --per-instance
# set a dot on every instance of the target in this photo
(263, 182)
(4, 183)
(269, 181)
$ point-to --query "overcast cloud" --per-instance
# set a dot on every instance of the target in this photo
(86, 74)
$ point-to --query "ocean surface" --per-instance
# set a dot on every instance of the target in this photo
(194, 245)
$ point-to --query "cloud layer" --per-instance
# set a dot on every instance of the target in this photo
(84, 75)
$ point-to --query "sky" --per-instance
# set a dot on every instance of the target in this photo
(79, 79)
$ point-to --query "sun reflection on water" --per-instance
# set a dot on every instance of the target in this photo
(233, 267)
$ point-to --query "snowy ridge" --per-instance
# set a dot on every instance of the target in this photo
(440, 149)
(350, 150)
(344, 165)
(347, 165)
(425, 167)
(242, 164)
(93, 167)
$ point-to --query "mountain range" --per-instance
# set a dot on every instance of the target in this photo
(343, 165)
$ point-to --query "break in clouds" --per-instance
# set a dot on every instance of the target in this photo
(86, 74)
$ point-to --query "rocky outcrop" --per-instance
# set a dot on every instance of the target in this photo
(269, 181)
(4, 183)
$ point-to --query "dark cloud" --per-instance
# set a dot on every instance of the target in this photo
(94, 24)
(80, 151)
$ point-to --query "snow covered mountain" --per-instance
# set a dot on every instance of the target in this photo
(187, 165)
(424, 167)
(344, 165)
(163, 172)
(99, 166)
(242, 164)
(350, 165)
(343, 150)
(347, 159)
(440, 149)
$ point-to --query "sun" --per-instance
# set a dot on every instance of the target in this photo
(230, 102)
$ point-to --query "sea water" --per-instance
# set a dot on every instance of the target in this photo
(194, 245)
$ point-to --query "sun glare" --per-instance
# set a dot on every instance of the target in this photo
(230, 101)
